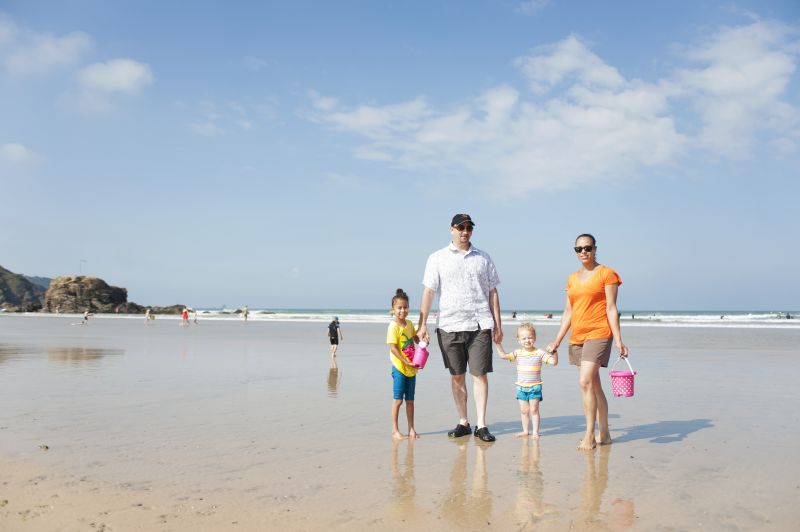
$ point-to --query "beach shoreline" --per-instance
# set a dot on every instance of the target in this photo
(230, 425)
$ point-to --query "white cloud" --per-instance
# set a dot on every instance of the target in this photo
(29, 52)
(17, 154)
(530, 7)
(117, 75)
(603, 127)
(207, 129)
(584, 121)
(256, 64)
(570, 58)
(738, 90)
(220, 118)
(8, 29)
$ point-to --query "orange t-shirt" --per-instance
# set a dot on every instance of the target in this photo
(588, 301)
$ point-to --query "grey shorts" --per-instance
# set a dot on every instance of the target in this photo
(597, 351)
(462, 347)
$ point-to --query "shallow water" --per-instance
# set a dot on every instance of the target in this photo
(254, 412)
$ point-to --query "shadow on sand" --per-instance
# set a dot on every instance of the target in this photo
(663, 431)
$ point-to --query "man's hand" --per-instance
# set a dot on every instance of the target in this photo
(422, 333)
(497, 335)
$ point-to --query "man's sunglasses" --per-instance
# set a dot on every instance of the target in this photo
(464, 227)
(587, 249)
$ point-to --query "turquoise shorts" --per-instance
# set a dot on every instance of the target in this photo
(528, 394)
(403, 387)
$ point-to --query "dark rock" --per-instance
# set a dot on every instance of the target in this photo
(18, 294)
(77, 293)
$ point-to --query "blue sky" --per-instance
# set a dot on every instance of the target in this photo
(311, 154)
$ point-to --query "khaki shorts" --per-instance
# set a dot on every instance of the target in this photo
(459, 348)
(595, 350)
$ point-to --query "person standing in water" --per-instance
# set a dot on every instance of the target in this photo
(465, 280)
(591, 312)
(334, 333)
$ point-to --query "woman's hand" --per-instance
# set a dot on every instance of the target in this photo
(623, 349)
(552, 347)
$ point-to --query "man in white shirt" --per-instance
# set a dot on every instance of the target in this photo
(469, 319)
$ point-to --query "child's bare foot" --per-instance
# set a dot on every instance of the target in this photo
(587, 444)
(397, 436)
(412, 434)
(522, 434)
(535, 436)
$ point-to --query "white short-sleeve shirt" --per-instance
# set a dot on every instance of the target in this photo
(463, 282)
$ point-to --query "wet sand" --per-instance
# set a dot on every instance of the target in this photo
(233, 426)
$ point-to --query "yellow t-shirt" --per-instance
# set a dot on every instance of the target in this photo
(588, 301)
(401, 336)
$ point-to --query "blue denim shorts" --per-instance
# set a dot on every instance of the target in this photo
(403, 386)
(527, 394)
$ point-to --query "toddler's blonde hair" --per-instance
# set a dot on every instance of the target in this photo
(528, 326)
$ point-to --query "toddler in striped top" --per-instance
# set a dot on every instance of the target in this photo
(529, 360)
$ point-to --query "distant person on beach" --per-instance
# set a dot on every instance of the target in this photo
(86, 315)
(334, 335)
(401, 338)
(185, 317)
(147, 316)
(466, 280)
(245, 313)
(591, 312)
(194, 315)
(529, 362)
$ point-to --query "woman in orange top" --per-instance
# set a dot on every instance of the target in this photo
(591, 311)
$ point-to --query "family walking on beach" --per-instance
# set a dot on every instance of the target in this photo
(465, 280)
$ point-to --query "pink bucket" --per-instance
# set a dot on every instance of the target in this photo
(622, 381)
(420, 355)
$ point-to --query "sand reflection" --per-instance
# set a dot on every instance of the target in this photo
(10, 352)
(468, 505)
(334, 379)
(403, 504)
(77, 355)
(529, 507)
(595, 482)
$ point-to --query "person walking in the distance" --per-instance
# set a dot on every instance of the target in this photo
(334, 334)
(465, 278)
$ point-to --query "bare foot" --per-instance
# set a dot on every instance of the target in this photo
(587, 444)
(535, 436)
(605, 439)
(522, 434)
(397, 436)
(412, 434)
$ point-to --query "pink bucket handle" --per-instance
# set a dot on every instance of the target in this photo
(617, 362)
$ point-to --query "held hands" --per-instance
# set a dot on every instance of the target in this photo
(552, 347)
(497, 334)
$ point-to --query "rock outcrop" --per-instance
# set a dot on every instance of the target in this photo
(17, 294)
(78, 293)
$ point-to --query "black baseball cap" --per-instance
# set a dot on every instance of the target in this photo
(460, 219)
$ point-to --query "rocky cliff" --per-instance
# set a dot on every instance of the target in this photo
(17, 294)
(78, 293)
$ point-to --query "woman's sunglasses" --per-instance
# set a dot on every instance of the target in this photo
(587, 249)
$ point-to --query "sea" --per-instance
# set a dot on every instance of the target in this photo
(783, 319)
